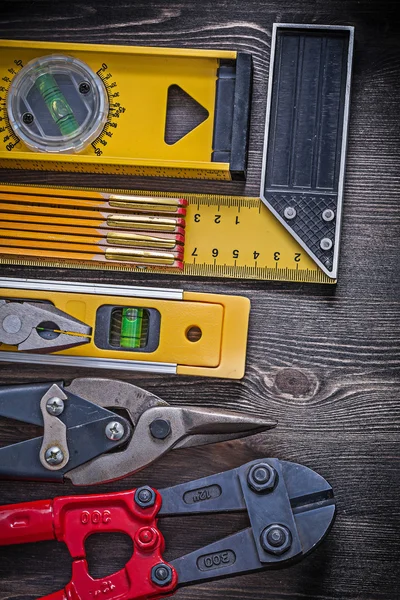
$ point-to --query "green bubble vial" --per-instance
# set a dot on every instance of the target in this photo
(131, 327)
(58, 107)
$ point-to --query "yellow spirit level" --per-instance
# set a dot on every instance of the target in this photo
(120, 327)
(105, 109)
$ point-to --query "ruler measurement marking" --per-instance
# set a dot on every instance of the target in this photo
(3, 111)
(228, 272)
(198, 264)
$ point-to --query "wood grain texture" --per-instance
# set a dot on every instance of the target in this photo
(323, 361)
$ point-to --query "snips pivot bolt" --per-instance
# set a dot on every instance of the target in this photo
(54, 455)
(262, 478)
(161, 574)
(160, 429)
(145, 497)
(114, 431)
(55, 406)
(276, 539)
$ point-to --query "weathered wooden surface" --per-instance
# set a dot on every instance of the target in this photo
(323, 361)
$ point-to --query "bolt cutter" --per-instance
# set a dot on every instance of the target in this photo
(290, 509)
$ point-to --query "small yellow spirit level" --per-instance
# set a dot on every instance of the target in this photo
(120, 327)
(112, 109)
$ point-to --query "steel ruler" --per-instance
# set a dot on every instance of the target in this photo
(226, 236)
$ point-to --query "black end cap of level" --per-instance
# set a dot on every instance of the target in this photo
(241, 116)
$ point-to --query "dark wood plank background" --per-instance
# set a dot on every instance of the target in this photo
(323, 361)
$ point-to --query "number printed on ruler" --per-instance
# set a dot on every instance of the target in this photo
(241, 234)
(227, 236)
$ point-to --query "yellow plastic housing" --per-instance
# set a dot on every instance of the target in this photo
(137, 80)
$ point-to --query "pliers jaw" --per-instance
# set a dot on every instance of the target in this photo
(40, 327)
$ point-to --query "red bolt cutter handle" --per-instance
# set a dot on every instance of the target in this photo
(60, 595)
(72, 519)
(26, 522)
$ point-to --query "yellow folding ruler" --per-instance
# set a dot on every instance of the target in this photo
(107, 109)
(123, 327)
(225, 236)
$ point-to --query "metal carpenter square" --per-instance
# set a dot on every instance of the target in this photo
(306, 132)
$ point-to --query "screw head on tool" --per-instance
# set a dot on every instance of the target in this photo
(276, 539)
(328, 215)
(28, 118)
(290, 212)
(147, 538)
(145, 497)
(55, 406)
(54, 455)
(84, 87)
(262, 478)
(161, 574)
(146, 535)
(160, 429)
(114, 431)
(326, 243)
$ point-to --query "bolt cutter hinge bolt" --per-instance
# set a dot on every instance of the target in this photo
(161, 574)
(262, 478)
(276, 539)
(145, 497)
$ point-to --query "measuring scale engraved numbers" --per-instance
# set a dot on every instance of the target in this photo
(225, 236)
(238, 237)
